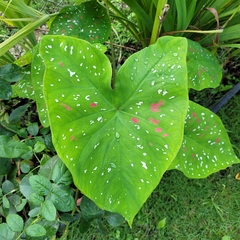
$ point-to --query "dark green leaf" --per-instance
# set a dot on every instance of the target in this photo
(7, 186)
(101, 227)
(40, 184)
(89, 209)
(5, 232)
(67, 217)
(11, 73)
(48, 211)
(6, 90)
(33, 128)
(62, 200)
(36, 230)
(15, 222)
(5, 165)
(116, 142)
(114, 219)
(88, 21)
(17, 114)
(10, 148)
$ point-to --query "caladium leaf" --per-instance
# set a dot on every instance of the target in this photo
(37, 72)
(204, 71)
(206, 147)
(88, 21)
(117, 143)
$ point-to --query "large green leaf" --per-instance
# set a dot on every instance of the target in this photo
(116, 143)
(88, 21)
(206, 147)
(204, 71)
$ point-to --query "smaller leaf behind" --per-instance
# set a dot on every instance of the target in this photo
(204, 70)
(206, 147)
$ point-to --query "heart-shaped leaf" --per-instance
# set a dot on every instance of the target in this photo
(206, 147)
(88, 21)
(204, 71)
(116, 143)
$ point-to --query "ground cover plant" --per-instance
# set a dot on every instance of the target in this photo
(115, 133)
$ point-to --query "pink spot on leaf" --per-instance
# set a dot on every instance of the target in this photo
(93, 105)
(194, 114)
(66, 106)
(165, 135)
(71, 138)
(217, 140)
(158, 129)
(61, 64)
(154, 121)
(135, 120)
(193, 156)
(150, 144)
(155, 106)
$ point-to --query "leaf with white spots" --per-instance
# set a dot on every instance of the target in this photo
(117, 143)
(204, 70)
(37, 72)
(24, 88)
(206, 147)
(88, 21)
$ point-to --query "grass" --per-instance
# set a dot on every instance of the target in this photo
(194, 209)
(206, 209)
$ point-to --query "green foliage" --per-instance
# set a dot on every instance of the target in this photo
(119, 118)
(116, 135)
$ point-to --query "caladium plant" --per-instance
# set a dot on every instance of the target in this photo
(117, 141)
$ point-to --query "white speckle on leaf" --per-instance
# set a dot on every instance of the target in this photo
(144, 165)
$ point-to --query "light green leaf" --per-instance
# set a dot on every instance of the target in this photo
(88, 21)
(36, 230)
(206, 147)
(7, 186)
(5, 232)
(36, 199)
(61, 174)
(204, 70)
(15, 222)
(161, 223)
(116, 142)
(25, 187)
(48, 211)
(40, 184)
(39, 147)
